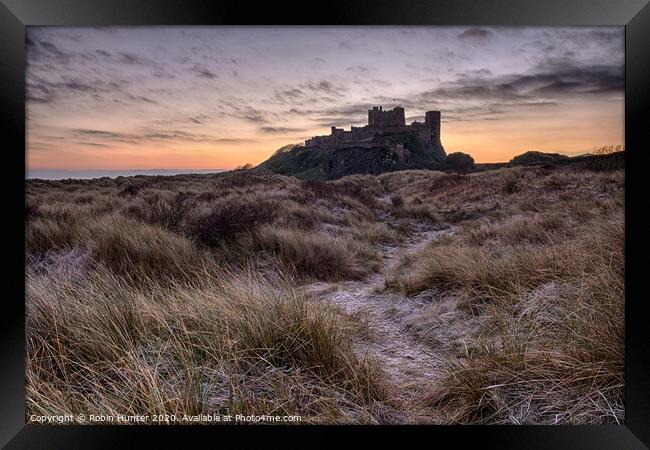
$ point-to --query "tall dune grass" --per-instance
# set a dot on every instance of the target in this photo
(189, 294)
(229, 344)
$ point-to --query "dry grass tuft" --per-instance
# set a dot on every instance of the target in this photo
(316, 255)
(135, 250)
(99, 345)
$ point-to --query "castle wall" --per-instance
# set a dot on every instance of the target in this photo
(380, 122)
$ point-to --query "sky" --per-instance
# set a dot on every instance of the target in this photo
(220, 97)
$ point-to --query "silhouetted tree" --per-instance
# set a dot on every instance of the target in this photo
(459, 162)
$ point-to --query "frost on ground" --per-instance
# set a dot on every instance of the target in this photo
(409, 363)
(408, 297)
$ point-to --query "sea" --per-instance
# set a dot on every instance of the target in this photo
(60, 174)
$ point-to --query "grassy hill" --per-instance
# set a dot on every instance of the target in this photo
(388, 153)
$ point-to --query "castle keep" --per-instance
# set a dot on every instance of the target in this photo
(380, 122)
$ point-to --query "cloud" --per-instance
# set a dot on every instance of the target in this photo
(203, 72)
(105, 135)
(346, 45)
(93, 144)
(271, 130)
(325, 87)
(358, 69)
(142, 98)
(310, 92)
(550, 81)
(198, 118)
(164, 89)
(130, 58)
(39, 93)
(39, 49)
(475, 34)
(283, 95)
(475, 73)
(43, 90)
(254, 115)
(147, 135)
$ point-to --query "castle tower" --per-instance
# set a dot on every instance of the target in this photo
(432, 121)
(378, 117)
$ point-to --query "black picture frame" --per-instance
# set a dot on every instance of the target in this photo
(15, 15)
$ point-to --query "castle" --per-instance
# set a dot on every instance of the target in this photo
(380, 122)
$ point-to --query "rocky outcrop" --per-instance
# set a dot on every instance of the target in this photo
(385, 153)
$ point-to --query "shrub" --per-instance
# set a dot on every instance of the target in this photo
(320, 189)
(32, 205)
(533, 157)
(133, 187)
(314, 255)
(444, 182)
(608, 149)
(459, 162)
(231, 217)
(511, 186)
(165, 209)
(43, 235)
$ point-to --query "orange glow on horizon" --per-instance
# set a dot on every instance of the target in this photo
(486, 140)
(136, 98)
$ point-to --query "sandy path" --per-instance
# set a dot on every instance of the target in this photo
(409, 364)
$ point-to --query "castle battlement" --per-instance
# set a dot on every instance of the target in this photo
(380, 121)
